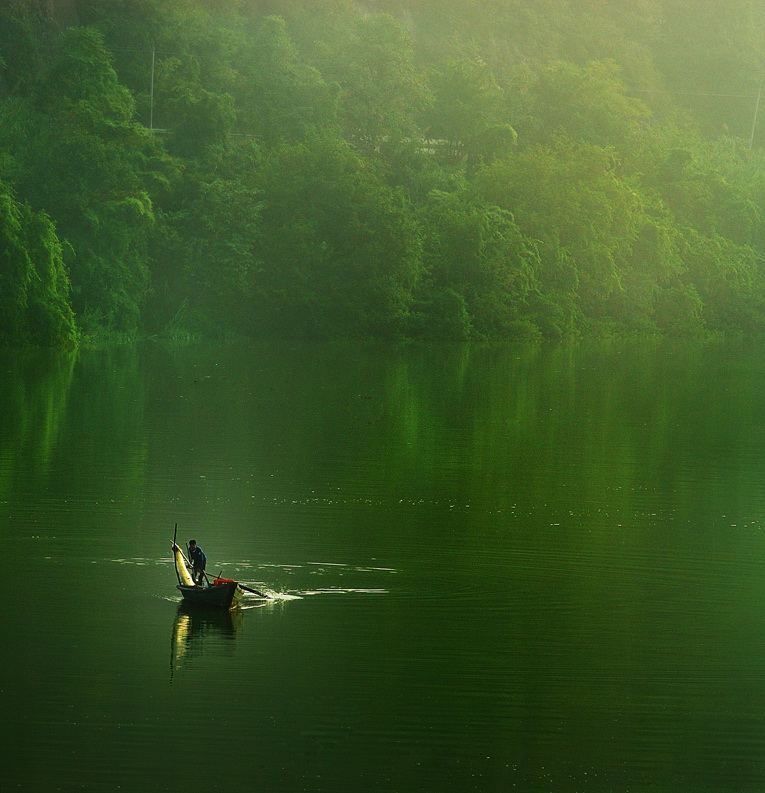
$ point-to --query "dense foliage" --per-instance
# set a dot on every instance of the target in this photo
(430, 168)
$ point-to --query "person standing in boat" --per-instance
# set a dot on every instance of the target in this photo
(198, 563)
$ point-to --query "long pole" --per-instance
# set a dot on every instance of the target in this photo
(175, 564)
(754, 120)
(151, 93)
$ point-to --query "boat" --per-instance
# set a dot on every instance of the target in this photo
(220, 592)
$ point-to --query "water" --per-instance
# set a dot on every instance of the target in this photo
(533, 568)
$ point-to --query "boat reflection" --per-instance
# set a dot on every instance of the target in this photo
(201, 631)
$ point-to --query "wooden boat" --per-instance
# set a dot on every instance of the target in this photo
(220, 592)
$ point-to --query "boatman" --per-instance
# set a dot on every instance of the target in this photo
(198, 563)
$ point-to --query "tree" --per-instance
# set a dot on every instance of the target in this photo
(588, 104)
(340, 251)
(280, 97)
(34, 287)
(468, 112)
(82, 159)
(569, 198)
(381, 91)
(205, 257)
(197, 119)
(475, 251)
(20, 56)
(729, 279)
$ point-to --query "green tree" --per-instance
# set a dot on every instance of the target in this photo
(20, 54)
(655, 290)
(340, 250)
(34, 287)
(381, 91)
(587, 103)
(730, 280)
(467, 119)
(570, 199)
(192, 48)
(82, 159)
(476, 251)
(205, 254)
(281, 97)
(198, 120)
(714, 186)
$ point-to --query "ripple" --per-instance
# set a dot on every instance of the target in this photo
(343, 591)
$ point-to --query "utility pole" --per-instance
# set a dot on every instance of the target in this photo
(754, 120)
(151, 93)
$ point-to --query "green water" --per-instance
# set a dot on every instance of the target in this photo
(533, 568)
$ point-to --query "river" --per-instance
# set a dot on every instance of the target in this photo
(533, 568)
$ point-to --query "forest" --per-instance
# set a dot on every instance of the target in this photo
(403, 169)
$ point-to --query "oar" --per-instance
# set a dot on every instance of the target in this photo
(254, 591)
(242, 586)
(245, 588)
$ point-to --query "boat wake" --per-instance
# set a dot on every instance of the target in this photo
(272, 597)
(343, 591)
(295, 571)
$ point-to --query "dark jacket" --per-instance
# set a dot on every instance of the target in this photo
(198, 558)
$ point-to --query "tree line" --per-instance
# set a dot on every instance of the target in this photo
(515, 169)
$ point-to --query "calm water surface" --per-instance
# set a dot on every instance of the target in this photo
(533, 568)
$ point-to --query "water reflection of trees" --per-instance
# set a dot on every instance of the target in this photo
(72, 427)
(466, 424)
(199, 631)
(34, 392)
